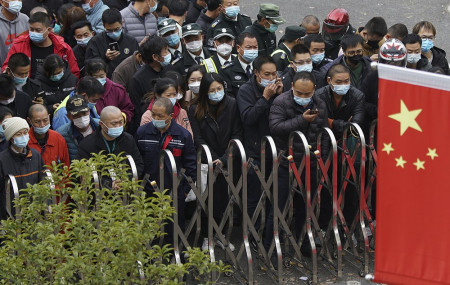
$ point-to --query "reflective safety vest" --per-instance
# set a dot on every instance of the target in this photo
(209, 65)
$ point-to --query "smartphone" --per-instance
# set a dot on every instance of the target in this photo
(114, 46)
(39, 97)
(313, 112)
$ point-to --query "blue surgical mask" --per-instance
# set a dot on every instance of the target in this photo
(22, 141)
(266, 82)
(14, 7)
(153, 9)
(159, 124)
(232, 11)
(341, 89)
(173, 100)
(115, 35)
(216, 97)
(173, 39)
(57, 77)
(102, 80)
(19, 80)
(91, 105)
(250, 55)
(43, 130)
(167, 59)
(302, 101)
(318, 58)
(427, 44)
(37, 37)
(84, 42)
(115, 132)
(273, 28)
(305, 67)
(86, 7)
(57, 28)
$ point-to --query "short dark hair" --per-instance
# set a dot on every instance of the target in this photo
(299, 49)
(111, 16)
(310, 20)
(51, 63)
(242, 36)
(398, 31)
(424, 24)
(62, 11)
(337, 68)
(376, 26)
(304, 76)
(7, 85)
(162, 84)
(178, 7)
(81, 24)
(213, 4)
(18, 60)
(90, 85)
(412, 39)
(40, 17)
(261, 60)
(163, 102)
(313, 38)
(153, 45)
(5, 111)
(95, 65)
(351, 40)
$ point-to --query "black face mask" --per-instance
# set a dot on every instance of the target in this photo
(373, 44)
(355, 59)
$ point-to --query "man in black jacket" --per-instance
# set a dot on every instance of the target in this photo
(15, 100)
(292, 36)
(194, 11)
(111, 139)
(112, 45)
(19, 67)
(207, 16)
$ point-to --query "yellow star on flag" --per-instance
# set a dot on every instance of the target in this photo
(388, 148)
(432, 153)
(406, 118)
(400, 162)
(419, 164)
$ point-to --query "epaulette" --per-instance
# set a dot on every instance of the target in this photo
(227, 65)
(177, 60)
(215, 23)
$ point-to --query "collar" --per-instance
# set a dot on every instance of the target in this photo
(33, 139)
(222, 60)
(244, 65)
(202, 55)
(180, 49)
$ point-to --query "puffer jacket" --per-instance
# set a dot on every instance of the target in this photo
(351, 108)
(73, 136)
(138, 26)
(95, 16)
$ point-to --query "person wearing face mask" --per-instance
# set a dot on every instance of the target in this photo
(50, 5)
(138, 19)
(82, 33)
(293, 35)
(193, 78)
(414, 57)
(353, 59)
(56, 81)
(195, 8)
(156, 56)
(301, 61)
(194, 53)
(167, 29)
(265, 26)
(240, 70)
(372, 33)
(50, 144)
(435, 55)
(215, 121)
(316, 46)
(5, 113)
(19, 160)
(80, 124)
(125, 71)
(224, 44)
(110, 138)
(17, 101)
(94, 10)
(113, 45)
(19, 68)
(207, 16)
(167, 88)
(12, 24)
(293, 111)
(163, 133)
(231, 18)
(39, 43)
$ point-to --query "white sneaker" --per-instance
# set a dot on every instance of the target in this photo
(205, 244)
(219, 243)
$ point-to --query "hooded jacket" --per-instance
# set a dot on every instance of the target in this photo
(439, 59)
(22, 44)
(95, 16)
(10, 31)
(115, 95)
(138, 26)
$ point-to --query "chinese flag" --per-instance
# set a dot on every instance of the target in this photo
(413, 186)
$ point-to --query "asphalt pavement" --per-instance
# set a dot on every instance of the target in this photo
(408, 12)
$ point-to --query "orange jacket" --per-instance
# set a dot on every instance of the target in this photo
(55, 149)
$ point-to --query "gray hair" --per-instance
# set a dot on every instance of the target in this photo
(164, 102)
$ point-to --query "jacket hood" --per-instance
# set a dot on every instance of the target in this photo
(2, 17)
(438, 53)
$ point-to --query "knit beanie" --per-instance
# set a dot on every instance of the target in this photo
(13, 125)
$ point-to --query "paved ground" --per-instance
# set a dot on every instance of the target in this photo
(408, 12)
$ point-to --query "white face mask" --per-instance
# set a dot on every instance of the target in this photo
(194, 87)
(8, 101)
(82, 122)
(194, 46)
(224, 49)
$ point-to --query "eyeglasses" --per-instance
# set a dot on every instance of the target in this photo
(355, 52)
(427, 37)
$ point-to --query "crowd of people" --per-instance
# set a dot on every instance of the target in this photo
(137, 77)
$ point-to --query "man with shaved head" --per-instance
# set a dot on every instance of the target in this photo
(311, 24)
(111, 139)
(50, 144)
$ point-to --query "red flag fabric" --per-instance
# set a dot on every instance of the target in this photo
(413, 190)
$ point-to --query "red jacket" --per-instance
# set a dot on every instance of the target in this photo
(55, 149)
(22, 44)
